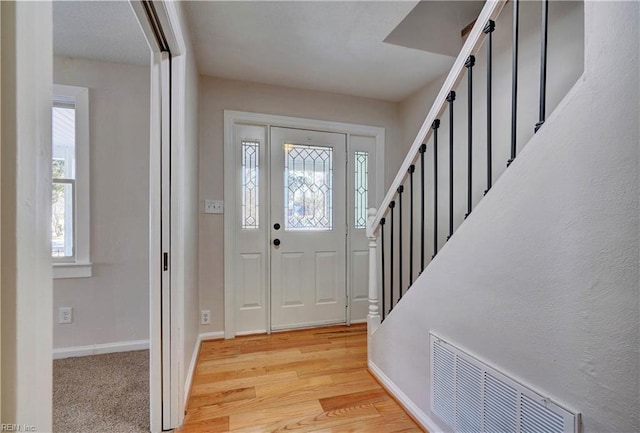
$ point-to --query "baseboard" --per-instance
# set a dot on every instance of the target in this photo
(218, 335)
(358, 321)
(191, 371)
(416, 413)
(99, 349)
(254, 332)
(194, 360)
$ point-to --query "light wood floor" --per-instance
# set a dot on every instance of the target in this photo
(313, 380)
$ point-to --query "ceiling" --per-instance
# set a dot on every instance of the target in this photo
(377, 49)
(98, 30)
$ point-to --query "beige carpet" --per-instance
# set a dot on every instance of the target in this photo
(102, 393)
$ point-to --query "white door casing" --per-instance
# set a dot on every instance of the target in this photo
(308, 251)
(166, 390)
(248, 244)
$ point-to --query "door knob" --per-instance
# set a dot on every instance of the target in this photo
(276, 242)
(276, 226)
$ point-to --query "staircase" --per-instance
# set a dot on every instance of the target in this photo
(486, 235)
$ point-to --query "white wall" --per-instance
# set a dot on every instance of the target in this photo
(216, 95)
(25, 208)
(187, 166)
(541, 281)
(415, 108)
(112, 305)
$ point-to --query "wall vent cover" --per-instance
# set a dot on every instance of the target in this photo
(472, 397)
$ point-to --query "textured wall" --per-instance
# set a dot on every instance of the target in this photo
(541, 280)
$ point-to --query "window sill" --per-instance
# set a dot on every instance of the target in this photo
(72, 270)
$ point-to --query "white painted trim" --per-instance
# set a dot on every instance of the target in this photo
(205, 336)
(72, 270)
(82, 210)
(190, 372)
(232, 117)
(100, 349)
(27, 287)
(404, 401)
(356, 322)
(253, 332)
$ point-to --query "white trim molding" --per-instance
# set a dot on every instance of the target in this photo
(80, 266)
(205, 336)
(232, 118)
(72, 270)
(408, 405)
(100, 349)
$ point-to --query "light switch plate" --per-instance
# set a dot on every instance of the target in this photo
(213, 206)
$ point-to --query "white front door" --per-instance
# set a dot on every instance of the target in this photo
(307, 228)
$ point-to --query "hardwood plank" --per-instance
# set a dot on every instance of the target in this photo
(283, 388)
(343, 401)
(211, 425)
(377, 425)
(229, 375)
(313, 380)
(353, 377)
(222, 397)
(210, 387)
(292, 398)
(265, 416)
(330, 419)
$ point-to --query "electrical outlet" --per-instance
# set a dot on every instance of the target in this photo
(65, 315)
(205, 317)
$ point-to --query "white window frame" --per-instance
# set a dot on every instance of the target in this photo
(80, 266)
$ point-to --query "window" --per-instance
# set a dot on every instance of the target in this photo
(70, 182)
(361, 188)
(308, 187)
(64, 167)
(250, 184)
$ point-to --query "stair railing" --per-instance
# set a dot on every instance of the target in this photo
(389, 216)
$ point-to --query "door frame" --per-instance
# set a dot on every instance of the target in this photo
(232, 118)
(167, 392)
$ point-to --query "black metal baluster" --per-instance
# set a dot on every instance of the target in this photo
(450, 98)
(412, 168)
(543, 65)
(423, 148)
(469, 65)
(514, 81)
(382, 221)
(400, 268)
(435, 126)
(391, 205)
(488, 30)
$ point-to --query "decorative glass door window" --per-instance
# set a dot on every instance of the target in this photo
(361, 197)
(250, 184)
(308, 187)
(64, 178)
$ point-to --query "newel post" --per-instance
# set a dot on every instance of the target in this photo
(373, 318)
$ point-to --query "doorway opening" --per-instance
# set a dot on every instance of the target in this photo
(100, 219)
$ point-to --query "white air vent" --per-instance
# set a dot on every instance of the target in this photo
(471, 397)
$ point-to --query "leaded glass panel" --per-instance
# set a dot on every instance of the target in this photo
(361, 195)
(308, 187)
(250, 184)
